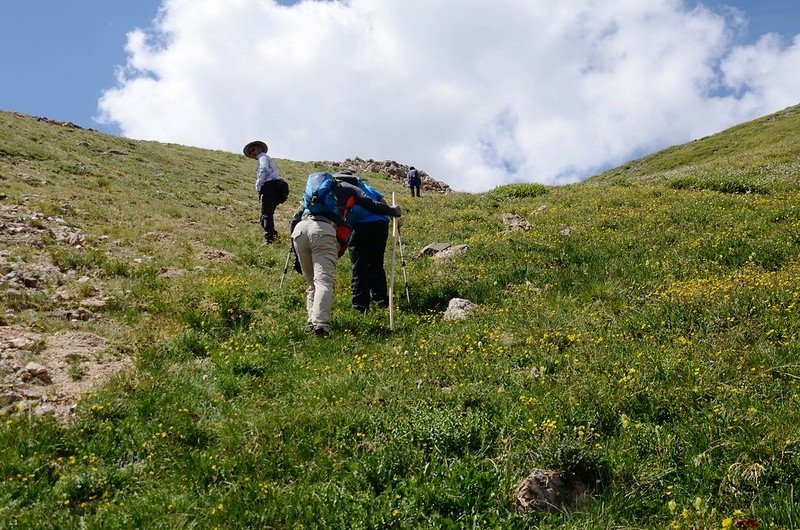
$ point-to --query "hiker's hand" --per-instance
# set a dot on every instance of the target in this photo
(396, 212)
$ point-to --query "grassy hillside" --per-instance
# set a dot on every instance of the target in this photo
(757, 157)
(641, 336)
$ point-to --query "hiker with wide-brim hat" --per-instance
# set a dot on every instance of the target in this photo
(272, 189)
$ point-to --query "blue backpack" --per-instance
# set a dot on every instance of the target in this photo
(319, 196)
(359, 214)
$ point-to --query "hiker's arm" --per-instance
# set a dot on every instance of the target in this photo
(295, 219)
(380, 208)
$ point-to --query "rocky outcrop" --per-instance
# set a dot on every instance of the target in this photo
(67, 124)
(393, 170)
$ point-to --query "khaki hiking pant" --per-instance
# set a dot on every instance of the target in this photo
(317, 250)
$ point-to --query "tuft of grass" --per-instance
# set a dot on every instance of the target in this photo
(517, 191)
(717, 184)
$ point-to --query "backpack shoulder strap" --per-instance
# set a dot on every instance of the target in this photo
(351, 201)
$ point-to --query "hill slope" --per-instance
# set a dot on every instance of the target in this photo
(638, 335)
(760, 155)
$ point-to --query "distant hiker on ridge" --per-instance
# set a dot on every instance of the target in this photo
(320, 237)
(413, 180)
(272, 189)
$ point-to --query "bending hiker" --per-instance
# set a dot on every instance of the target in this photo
(413, 180)
(367, 247)
(320, 238)
(272, 189)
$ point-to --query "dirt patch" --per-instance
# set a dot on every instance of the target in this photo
(45, 373)
(207, 253)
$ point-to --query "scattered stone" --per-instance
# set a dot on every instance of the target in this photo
(432, 249)
(171, 273)
(458, 309)
(36, 371)
(566, 232)
(21, 389)
(22, 343)
(7, 368)
(45, 410)
(542, 208)
(549, 491)
(446, 255)
(83, 314)
(94, 303)
(515, 222)
(63, 293)
(30, 281)
(9, 397)
(35, 393)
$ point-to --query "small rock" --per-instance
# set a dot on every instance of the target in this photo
(432, 249)
(458, 309)
(45, 410)
(549, 491)
(82, 314)
(8, 396)
(93, 304)
(6, 368)
(37, 371)
(33, 393)
(21, 343)
(446, 255)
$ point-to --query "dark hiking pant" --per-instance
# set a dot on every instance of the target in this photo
(270, 197)
(414, 187)
(367, 247)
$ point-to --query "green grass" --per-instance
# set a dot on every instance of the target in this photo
(652, 350)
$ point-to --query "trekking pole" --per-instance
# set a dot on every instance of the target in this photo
(403, 265)
(391, 276)
(286, 265)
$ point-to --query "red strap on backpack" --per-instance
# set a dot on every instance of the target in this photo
(343, 232)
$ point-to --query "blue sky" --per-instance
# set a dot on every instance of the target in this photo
(63, 54)
(62, 57)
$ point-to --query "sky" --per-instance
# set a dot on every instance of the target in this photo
(477, 93)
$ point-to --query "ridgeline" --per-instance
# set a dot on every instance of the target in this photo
(633, 344)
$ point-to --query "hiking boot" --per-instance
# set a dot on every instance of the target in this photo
(319, 331)
(309, 327)
(359, 308)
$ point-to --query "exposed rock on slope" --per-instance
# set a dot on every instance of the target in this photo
(394, 170)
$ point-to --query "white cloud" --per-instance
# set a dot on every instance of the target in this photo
(475, 92)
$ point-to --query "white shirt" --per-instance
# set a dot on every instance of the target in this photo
(267, 170)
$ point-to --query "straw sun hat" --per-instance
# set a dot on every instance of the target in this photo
(250, 149)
